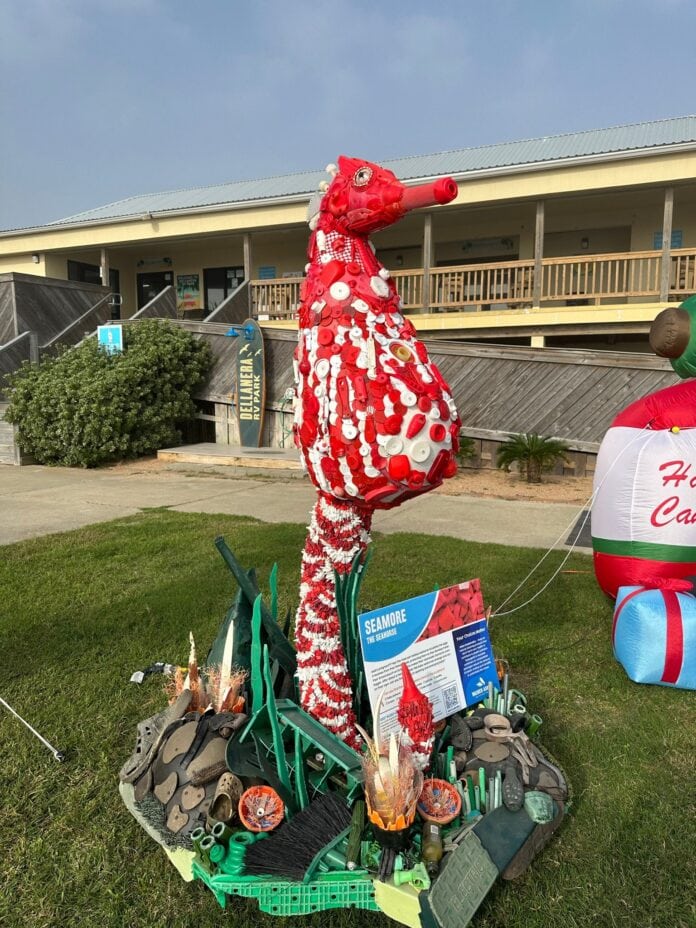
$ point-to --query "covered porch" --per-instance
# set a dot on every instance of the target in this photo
(622, 277)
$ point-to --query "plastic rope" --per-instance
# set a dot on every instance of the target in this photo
(588, 502)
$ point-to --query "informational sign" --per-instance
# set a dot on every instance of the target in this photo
(443, 637)
(110, 338)
(251, 385)
(188, 291)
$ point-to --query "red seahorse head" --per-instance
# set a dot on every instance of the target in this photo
(364, 197)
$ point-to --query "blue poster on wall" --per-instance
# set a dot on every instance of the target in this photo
(110, 338)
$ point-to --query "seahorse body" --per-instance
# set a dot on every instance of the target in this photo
(375, 421)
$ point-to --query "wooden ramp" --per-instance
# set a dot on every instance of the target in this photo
(229, 456)
(564, 393)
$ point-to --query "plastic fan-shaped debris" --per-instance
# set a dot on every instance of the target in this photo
(439, 802)
(261, 809)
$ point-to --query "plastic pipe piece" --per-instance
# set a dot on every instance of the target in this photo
(490, 696)
(535, 723)
(491, 794)
(520, 697)
(221, 832)
(357, 826)
(482, 790)
(506, 694)
(498, 788)
(471, 790)
(217, 853)
(449, 765)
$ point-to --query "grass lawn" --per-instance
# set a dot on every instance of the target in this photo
(80, 612)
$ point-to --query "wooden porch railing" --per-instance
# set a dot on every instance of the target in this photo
(586, 278)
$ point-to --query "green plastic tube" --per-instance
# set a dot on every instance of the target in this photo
(482, 790)
(449, 762)
(471, 789)
(535, 723)
(222, 833)
(357, 826)
(217, 853)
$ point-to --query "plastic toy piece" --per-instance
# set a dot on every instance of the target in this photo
(261, 809)
(273, 584)
(360, 373)
(300, 781)
(280, 648)
(461, 887)
(283, 897)
(439, 802)
(256, 665)
(278, 748)
(415, 715)
(357, 826)
(417, 877)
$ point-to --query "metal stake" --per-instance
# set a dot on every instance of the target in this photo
(59, 755)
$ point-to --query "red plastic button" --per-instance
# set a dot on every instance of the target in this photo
(399, 467)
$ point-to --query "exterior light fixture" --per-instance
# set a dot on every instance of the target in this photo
(36, 258)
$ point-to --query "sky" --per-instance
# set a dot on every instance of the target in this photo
(106, 99)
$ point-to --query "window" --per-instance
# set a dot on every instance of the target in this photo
(90, 274)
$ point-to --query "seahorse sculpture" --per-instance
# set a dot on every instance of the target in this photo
(374, 419)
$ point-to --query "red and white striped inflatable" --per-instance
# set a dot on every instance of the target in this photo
(644, 512)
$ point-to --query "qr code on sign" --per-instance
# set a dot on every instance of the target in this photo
(450, 697)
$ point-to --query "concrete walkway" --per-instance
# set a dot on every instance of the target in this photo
(40, 500)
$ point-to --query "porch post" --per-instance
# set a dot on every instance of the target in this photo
(538, 253)
(104, 268)
(247, 268)
(666, 266)
(427, 258)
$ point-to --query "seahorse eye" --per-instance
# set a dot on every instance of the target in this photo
(362, 177)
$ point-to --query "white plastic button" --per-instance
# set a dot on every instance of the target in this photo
(339, 290)
(379, 287)
(421, 451)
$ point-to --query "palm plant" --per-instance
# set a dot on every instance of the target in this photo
(467, 451)
(533, 453)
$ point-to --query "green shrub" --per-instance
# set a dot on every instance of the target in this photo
(467, 450)
(533, 453)
(86, 407)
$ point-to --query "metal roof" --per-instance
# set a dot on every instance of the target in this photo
(571, 146)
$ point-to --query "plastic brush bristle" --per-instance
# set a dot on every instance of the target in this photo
(290, 851)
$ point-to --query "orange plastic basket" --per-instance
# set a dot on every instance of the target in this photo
(260, 809)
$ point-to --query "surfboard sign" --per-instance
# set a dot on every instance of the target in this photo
(251, 384)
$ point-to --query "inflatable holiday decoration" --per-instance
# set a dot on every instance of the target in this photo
(654, 634)
(644, 512)
(375, 421)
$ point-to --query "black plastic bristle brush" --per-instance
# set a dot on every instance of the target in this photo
(290, 851)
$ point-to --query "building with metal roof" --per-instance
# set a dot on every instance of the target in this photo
(550, 240)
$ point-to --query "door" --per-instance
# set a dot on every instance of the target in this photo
(218, 283)
(152, 283)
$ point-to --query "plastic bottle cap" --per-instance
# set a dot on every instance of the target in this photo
(675, 429)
